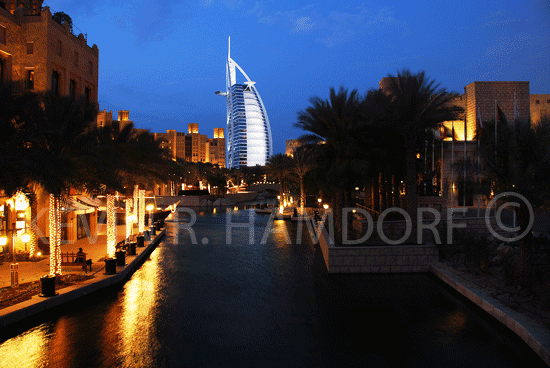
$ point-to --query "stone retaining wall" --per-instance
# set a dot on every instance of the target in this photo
(377, 259)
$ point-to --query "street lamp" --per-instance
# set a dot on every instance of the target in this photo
(25, 238)
(150, 208)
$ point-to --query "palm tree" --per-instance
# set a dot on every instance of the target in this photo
(336, 133)
(279, 165)
(302, 163)
(519, 161)
(20, 156)
(417, 105)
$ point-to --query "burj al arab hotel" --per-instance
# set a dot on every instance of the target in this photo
(248, 133)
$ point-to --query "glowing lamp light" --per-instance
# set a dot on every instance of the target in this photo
(111, 226)
(319, 200)
(21, 202)
(281, 209)
(150, 207)
(325, 206)
(25, 238)
(39, 254)
(3, 240)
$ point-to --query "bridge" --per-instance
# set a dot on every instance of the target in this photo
(273, 188)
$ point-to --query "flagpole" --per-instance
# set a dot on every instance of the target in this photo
(478, 154)
(441, 166)
(464, 195)
(516, 115)
(496, 135)
(452, 162)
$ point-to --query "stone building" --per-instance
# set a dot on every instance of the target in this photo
(174, 142)
(216, 153)
(194, 147)
(443, 161)
(44, 54)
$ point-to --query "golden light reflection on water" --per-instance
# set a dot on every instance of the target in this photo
(138, 338)
(280, 234)
(455, 322)
(29, 349)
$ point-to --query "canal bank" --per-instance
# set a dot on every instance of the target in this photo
(534, 334)
(39, 305)
(410, 259)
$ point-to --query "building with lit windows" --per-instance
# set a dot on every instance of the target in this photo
(194, 147)
(45, 54)
(248, 131)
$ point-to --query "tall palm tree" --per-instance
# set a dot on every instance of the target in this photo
(519, 161)
(20, 156)
(417, 104)
(336, 133)
(302, 163)
(279, 165)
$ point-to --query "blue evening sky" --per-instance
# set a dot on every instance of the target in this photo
(163, 60)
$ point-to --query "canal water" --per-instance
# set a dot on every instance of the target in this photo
(214, 304)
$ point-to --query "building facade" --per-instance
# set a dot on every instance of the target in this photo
(194, 147)
(216, 152)
(249, 141)
(44, 54)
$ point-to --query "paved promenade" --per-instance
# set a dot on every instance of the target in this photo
(37, 304)
(95, 248)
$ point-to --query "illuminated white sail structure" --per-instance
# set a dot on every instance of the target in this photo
(248, 133)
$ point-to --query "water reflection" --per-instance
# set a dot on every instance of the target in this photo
(137, 325)
(30, 349)
(269, 305)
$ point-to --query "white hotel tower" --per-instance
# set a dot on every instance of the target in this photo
(248, 133)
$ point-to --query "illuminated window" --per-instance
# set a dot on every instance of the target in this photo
(30, 79)
(30, 48)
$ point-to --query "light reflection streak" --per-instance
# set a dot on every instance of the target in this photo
(280, 235)
(27, 350)
(137, 325)
(454, 322)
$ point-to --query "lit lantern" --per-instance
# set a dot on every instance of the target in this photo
(25, 238)
(111, 226)
(150, 208)
(325, 206)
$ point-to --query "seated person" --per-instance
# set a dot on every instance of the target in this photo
(80, 256)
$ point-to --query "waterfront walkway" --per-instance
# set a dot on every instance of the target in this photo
(95, 248)
(37, 304)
